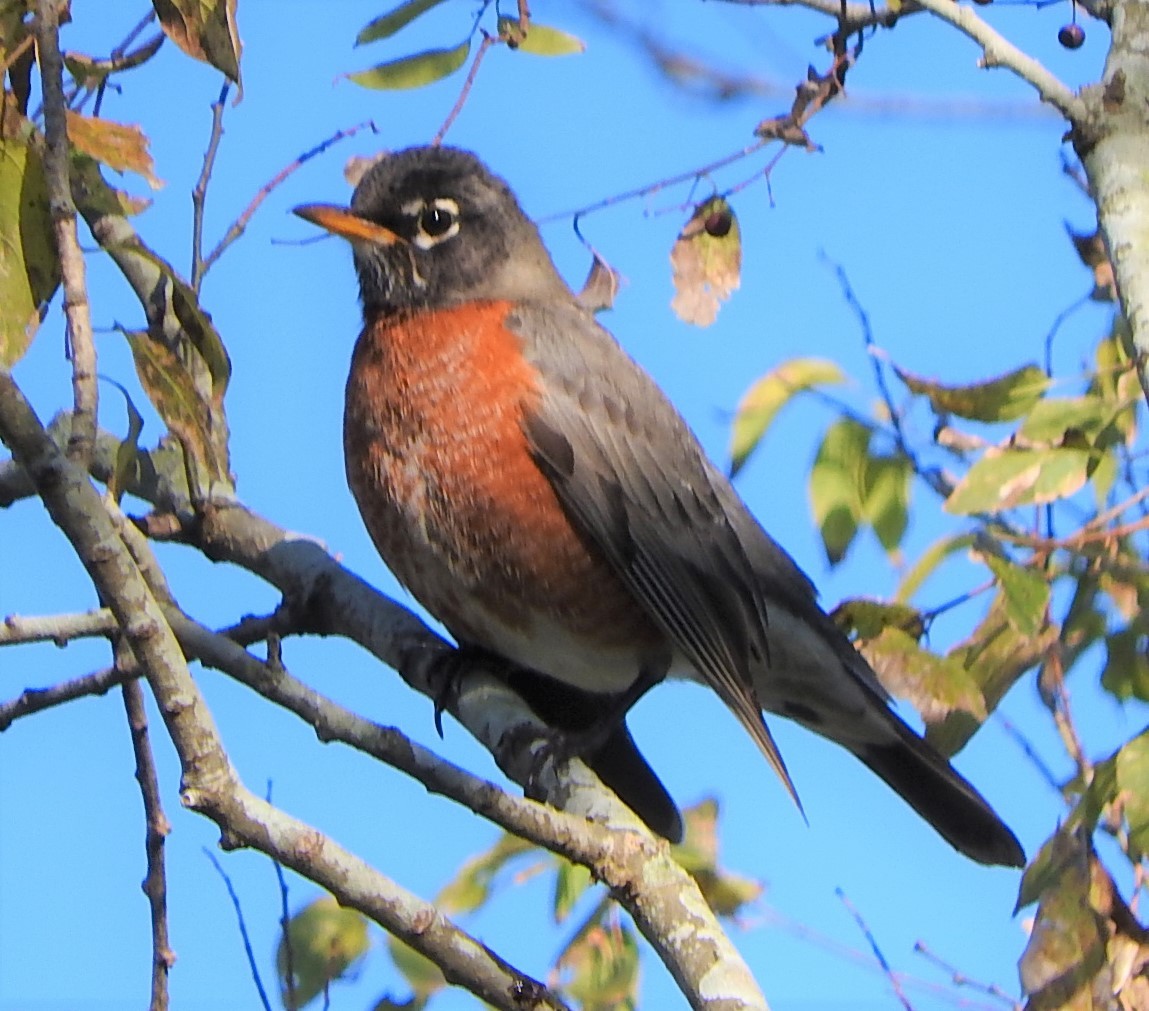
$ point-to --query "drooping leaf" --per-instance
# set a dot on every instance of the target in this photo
(761, 403)
(1002, 399)
(1026, 593)
(1126, 672)
(706, 261)
(571, 883)
(120, 147)
(471, 887)
(836, 485)
(326, 941)
(172, 390)
(414, 71)
(386, 25)
(540, 40)
(600, 287)
(886, 498)
(29, 269)
(725, 892)
(89, 72)
(601, 965)
(204, 29)
(423, 976)
(1094, 253)
(1015, 477)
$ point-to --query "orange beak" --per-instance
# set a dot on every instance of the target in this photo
(341, 221)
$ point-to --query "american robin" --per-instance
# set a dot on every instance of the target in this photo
(537, 492)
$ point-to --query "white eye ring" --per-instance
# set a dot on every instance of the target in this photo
(436, 221)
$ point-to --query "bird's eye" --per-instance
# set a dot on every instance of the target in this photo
(436, 221)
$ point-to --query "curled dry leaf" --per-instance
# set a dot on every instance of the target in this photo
(707, 262)
(204, 29)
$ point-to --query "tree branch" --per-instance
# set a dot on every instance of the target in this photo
(210, 785)
(58, 628)
(82, 348)
(35, 700)
(156, 831)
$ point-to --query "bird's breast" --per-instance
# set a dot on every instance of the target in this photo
(448, 488)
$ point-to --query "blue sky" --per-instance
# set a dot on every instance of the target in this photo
(938, 190)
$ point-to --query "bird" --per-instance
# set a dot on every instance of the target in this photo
(536, 491)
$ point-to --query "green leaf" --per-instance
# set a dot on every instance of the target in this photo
(414, 71)
(836, 485)
(540, 40)
(761, 403)
(1052, 417)
(1133, 790)
(886, 498)
(204, 29)
(867, 618)
(325, 941)
(29, 270)
(1017, 477)
(1001, 399)
(571, 881)
(471, 887)
(1126, 673)
(386, 25)
(1026, 593)
(423, 976)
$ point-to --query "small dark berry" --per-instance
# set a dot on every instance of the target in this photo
(983, 3)
(1071, 36)
(718, 223)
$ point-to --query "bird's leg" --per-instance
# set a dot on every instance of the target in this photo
(580, 723)
(447, 673)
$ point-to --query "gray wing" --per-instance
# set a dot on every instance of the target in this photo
(633, 477)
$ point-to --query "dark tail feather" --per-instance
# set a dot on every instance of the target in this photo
(933, 788)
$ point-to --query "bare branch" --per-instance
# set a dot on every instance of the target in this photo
(484, 46)
(156, 831)
(211, 785)
(998, 51)
(35, 700)
(81, 346)
(58, 628)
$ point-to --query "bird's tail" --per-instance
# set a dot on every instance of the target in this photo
(933, 788)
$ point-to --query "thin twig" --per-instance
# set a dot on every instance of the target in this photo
(239, 226)
(35, 700)
(895, 982)
(285, 936)
(465, 91)
(998, 51)
(252, 964)
(1030, 752)
(199, 193)
(77, 312)
(649, 188)
(960, 979)
(157, 829)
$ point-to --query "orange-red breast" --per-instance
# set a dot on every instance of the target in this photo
(537, 492)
